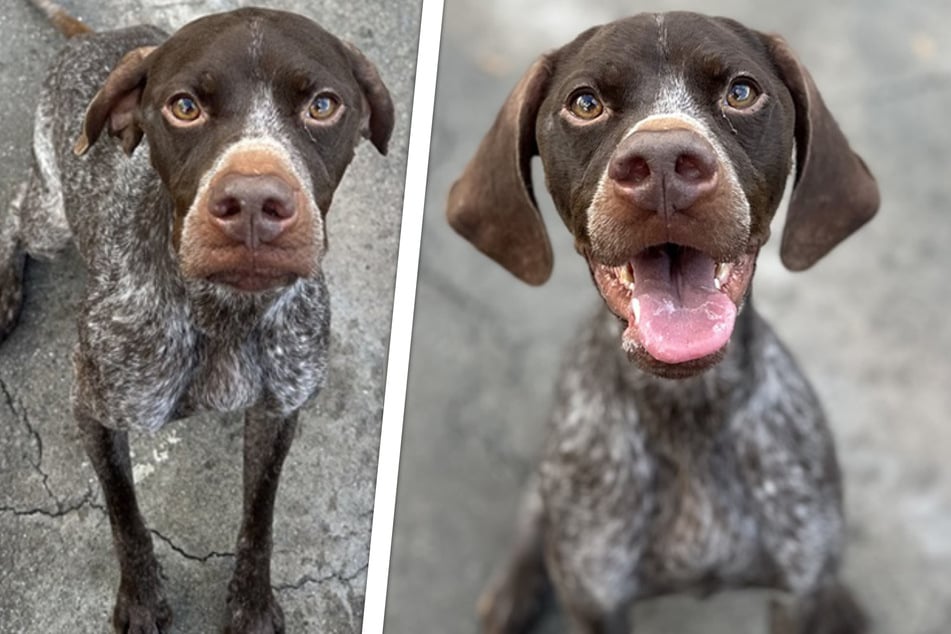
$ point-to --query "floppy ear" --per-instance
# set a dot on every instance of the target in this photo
(492, 204)
(834, 192)
(382, 117)
(116, 102)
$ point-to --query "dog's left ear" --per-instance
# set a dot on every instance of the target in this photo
(834, 192)
(116, 102)
(381, 116)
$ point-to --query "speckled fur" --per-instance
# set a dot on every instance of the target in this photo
(155, 346)
(649, 486)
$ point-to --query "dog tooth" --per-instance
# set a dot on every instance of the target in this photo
(624, 275)
(636, 309)
(722, 274)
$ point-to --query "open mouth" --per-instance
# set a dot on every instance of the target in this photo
(679, 303)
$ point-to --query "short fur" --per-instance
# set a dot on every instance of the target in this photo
(158, 340)
(660, 477)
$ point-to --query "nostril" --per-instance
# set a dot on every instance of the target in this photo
(639, 171)
(692, 167)
(277, 209)
(632, 170)
(226, 207)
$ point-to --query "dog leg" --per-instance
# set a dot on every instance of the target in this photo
(513, 599)
(141, 607)
(12, 259)
(614, 622)
(251, 602)
(829, 610)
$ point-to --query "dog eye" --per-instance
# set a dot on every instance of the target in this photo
(184, 108)
(742, 94)
(585, 105)
(323, 107)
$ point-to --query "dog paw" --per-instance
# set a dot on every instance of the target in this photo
(133, 615)
(254, 617)
(832, 610)
(511, 603)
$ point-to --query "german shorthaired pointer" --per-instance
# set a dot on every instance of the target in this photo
(203, 247)
(706, 463)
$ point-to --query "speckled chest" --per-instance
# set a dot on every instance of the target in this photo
(143, 363)
(702, 523)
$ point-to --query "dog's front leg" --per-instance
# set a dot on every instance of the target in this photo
(251, 602)
(141, 607)
(828, 609)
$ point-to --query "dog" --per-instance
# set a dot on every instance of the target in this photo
(201, 226)
(686, 451)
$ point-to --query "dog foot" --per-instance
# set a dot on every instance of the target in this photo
(832, 610)
(512, 602)
(247, 616)
(134, 614)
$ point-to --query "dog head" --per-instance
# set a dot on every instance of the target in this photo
(251, 117)
(666, 141)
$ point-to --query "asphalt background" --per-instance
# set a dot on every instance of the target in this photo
(57, 568)
(869, 324)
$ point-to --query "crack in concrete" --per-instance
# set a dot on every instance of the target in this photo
(24, 417)
(187, 555)
(61, 509)
(306, 580)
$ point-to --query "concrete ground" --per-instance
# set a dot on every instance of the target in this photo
(57, 569)
(869, 324)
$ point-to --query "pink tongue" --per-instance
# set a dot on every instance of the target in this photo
(682, 316)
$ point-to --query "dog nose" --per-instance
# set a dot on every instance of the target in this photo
(665, 170)
(252, 209)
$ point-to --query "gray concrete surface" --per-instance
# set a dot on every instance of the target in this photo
(57, 569)
(869, 324)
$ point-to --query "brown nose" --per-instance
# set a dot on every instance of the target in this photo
(664, 170)
(252, 209)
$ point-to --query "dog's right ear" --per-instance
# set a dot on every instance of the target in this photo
(116, 102)
(492, 205)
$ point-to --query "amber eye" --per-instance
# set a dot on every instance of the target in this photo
(742, 94)
(323, 107)
(184, 108)
(585, 105)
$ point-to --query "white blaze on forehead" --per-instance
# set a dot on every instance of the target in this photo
(263, 118)
(675, 107)
(674, 98)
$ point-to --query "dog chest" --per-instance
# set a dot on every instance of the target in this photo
(703, 530)
(143, 363)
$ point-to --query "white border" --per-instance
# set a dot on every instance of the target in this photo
(404, 303)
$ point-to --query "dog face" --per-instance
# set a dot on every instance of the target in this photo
(666, 141)
(251, 117)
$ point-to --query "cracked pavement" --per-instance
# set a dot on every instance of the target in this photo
(57, 568)
(869, 324)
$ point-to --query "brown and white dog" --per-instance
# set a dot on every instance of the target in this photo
(202, 245)
(686, 450)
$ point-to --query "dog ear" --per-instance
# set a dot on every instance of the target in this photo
(492, 205)
(834, 192)
(379, 126)
(116, 102)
